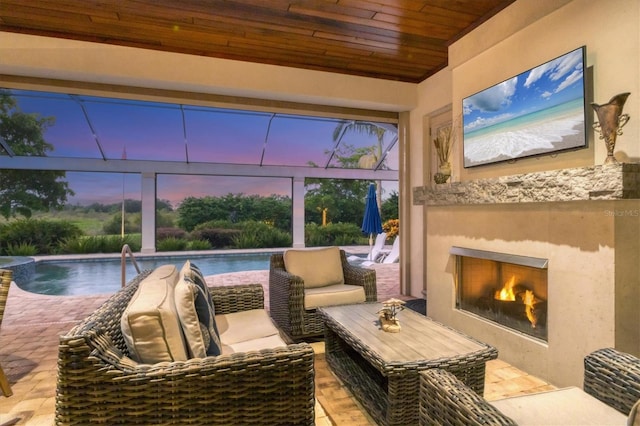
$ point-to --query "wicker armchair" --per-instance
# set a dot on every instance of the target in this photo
(6, 275)
(611, 376)
(286, 296)
(98, 383)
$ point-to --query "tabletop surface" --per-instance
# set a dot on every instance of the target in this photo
(419, 339)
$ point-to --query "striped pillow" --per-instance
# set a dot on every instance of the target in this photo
(196, 313)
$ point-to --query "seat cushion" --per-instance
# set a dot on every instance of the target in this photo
(196, 313)
(150, 325)
(569, 406)
(243, 326)
(339, 294)
(317, 267)
(268, 342)
(634, 415)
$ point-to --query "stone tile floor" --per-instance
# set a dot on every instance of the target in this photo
(32, 324)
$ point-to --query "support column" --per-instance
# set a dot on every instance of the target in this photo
(148, 212)
(297, 197)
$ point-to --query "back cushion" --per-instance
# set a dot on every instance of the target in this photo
(150, 324)
(317, 267)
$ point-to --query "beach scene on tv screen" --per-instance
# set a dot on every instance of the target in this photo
(539, 111)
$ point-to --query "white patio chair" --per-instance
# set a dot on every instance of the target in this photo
(393, 255)
(387, 256)
(375, 251)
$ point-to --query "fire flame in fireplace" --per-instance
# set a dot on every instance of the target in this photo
(529, 299)
(507, 293)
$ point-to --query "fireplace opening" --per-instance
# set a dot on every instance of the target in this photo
(507, 289)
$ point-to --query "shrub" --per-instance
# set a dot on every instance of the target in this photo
(22, 249)
(391, 227)
(199, 245)
(275, 238)
(217, 237)
(99, 244)
(245, 240)
(263, 235)
(172, 244)
(165, 219)
(82, 245)
(333, 234)
(114, 225)
(164, 233)
(219, 223)
(44, 235)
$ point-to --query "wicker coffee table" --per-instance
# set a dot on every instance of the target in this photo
(381, 369)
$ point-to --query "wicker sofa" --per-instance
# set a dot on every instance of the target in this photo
(287, 292)
(98, 382)
(611, 396)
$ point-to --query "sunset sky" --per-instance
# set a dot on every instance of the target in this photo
(159, 131)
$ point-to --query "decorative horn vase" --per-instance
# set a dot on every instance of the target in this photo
(610, 122)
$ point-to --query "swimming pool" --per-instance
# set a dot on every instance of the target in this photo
(100, 276)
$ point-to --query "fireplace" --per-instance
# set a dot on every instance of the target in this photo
(507, 289)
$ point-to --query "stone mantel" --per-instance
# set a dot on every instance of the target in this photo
(604, 182)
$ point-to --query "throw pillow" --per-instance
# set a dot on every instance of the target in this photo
(317, 267)
(196, 313)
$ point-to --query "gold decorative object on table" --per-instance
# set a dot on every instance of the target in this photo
(611, 121)
(387, 314)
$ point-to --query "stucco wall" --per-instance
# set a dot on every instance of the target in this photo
(609, 30)
(522, 36)
(583, 242)
(45, 57)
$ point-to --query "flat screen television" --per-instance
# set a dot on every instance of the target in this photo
(540, 111)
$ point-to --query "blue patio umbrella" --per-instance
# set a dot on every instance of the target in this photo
(371, 222)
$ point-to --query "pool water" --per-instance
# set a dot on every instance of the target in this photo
(83, 277)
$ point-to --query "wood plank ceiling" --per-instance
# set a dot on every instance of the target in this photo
(404, 40)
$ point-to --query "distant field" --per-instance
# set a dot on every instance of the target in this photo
(90, 223)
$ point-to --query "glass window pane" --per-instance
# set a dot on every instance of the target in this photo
(103, 188)
(370, 141)
(225, 136)
(147, 131)
(141, 130)
(299, 141)
(70, 134)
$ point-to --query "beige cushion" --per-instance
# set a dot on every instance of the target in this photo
(150, 325)
(339, 294)
(243, 326)
(569, 406)
(268, 342)
(317, 267)
(634, 415)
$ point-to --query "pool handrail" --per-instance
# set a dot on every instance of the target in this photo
(123, 262)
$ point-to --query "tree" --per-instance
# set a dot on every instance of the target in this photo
(366, 128)
(389, 208)
(343, 198)
(373, 154)
(274, 210)
(22, 191)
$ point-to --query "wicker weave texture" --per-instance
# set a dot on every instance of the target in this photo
(6, 276)
(447, 401)
(613, 377)
(98, 383)
(390, 390)
(286, 296)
